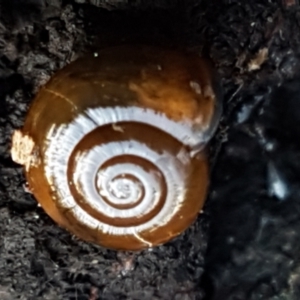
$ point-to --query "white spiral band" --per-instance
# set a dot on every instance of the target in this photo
(112, 188)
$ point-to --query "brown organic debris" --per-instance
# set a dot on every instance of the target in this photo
(258, 60)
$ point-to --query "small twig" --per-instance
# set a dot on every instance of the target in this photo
(236, 92)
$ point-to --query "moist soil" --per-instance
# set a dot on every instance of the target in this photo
(246, 242)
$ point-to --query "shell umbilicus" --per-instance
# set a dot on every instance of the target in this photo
(113, 145)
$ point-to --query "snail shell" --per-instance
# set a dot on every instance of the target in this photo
(113, 145)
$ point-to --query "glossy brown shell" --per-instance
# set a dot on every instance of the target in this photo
(161, 100)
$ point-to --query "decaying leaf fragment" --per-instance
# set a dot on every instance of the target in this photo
(258, 60)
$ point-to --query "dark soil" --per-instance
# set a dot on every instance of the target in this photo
(246, 244)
